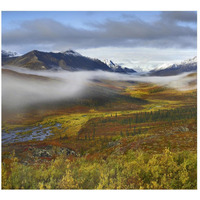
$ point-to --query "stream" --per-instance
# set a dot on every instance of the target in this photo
(37, 133)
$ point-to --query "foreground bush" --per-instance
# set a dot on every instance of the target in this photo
(134, 170)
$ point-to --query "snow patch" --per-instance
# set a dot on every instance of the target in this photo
(188, 63)
(71, 52)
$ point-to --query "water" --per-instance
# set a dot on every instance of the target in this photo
(37, 133)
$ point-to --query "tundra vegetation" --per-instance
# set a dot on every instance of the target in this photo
(143, 138)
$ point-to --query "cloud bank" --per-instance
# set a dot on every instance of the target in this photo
(19, 92)
(171, 29)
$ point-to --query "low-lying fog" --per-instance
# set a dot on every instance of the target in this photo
(50, 86)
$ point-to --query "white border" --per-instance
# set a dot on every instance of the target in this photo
(105, 5)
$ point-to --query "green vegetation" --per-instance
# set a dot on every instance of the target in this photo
(143, 138)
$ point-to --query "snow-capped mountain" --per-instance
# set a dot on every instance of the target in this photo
(177, 68)
(190, 61)
(163, 66)
(111, 64)
(9, 54)
(118, 68)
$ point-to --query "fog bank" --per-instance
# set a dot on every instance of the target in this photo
(51, 86)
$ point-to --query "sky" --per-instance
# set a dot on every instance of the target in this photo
(141, 40)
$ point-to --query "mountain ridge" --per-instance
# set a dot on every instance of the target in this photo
(39, 60)
(69, 60)
(188, 65)
(118, 68)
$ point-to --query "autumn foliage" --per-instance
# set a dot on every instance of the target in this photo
(134, 170)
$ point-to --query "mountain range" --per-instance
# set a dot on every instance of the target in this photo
(68, 60)
(174, 69)
(73, 61)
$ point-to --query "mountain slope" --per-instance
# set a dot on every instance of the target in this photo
(68, 60)
(174, 69)
(118, 68)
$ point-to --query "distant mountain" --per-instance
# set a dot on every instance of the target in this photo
(118, 68)
(8, 54)
(68, 60)
(174, 69)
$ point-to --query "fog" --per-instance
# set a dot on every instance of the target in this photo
(27, 87)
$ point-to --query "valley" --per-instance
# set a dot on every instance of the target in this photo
(118, 134)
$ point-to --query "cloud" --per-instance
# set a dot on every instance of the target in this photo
(181, 16)
(165, 32)
(140, 59)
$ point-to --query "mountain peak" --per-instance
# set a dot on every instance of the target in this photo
(34, 52)
(189, 61)
(71, 52)
(176, 68)
(117, 68)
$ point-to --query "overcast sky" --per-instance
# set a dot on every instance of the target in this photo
(140, 40)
